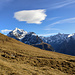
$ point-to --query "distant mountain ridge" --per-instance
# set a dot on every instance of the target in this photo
(63, 43)
(58, 38)
(28, 38)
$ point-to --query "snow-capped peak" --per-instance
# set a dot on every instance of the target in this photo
(17, 30)
(28, 38)
(18, 33)
(72, 35)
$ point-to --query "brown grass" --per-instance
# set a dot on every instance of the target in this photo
(17, 58)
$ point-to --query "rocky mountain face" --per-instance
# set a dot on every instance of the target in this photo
(63, 43)
(31, 38)
(67, 47)
(21, 35)
(28, 38)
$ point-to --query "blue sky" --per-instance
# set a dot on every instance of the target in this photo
(44, 17)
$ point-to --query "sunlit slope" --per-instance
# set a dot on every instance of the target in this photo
(17, 58)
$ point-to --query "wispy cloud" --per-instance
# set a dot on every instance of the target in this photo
(47, 34)
(5, 31)
(49, 29)
(61, 4)
(53, 18)
(52, 29)
(69, 20)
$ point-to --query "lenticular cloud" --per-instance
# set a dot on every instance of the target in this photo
(31, 16)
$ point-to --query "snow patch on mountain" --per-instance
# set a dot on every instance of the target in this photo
(17, 33)
(72, 35)
(58, 38)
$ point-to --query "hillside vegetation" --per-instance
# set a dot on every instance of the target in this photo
(17, 58)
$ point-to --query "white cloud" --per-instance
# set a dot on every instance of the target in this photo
(62, 4)
(47, 34)
(69, 20)
(31, 16)
(5, 31)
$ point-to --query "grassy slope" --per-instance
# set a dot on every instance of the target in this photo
(17, 58)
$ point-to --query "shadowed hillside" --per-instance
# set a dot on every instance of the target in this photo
(44, 46)
(17, 58)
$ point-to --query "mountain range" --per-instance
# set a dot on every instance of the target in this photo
(29, 38)
(17, 58)
(62, 43)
